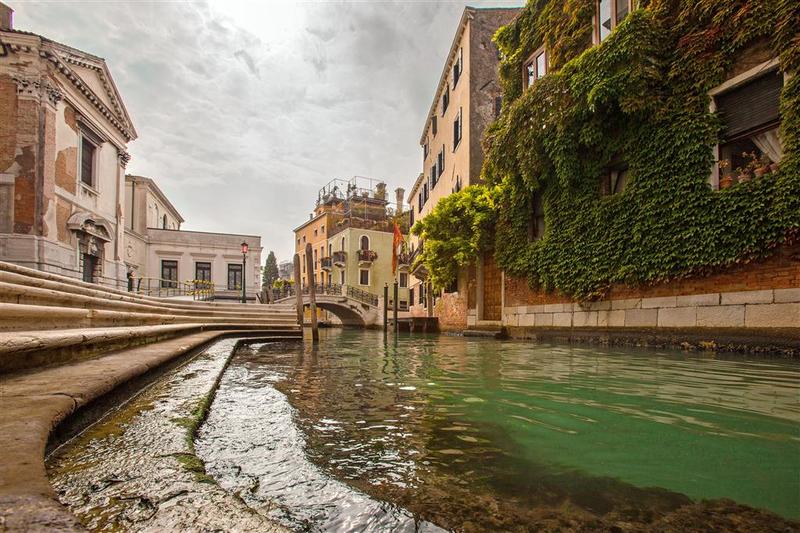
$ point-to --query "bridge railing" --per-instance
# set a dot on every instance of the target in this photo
(362, 296)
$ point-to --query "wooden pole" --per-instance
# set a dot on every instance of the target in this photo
(385, 307)
(394, 308)
(312, 293)
(298, 289)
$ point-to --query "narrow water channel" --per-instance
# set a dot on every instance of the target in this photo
(475, 435)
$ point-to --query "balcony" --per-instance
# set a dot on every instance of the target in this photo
(403, 261)
(340, 259)
(366, 257)
(326, 263)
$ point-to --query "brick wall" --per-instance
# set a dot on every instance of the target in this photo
(781, 271)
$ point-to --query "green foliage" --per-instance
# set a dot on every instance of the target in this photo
(641, 95)
(458, 227)
(270, 272)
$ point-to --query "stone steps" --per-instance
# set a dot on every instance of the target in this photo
(31, 349)
(37, 401)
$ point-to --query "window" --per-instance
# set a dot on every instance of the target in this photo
(411, 296)
(164, 222)
(445, 98)
(169, 274)
(440, 162)
(411, 217)
(615, 179)
(536, 223)
(426, 192)
(608, 14)
(315, 232)
(234, 277)
(343, 244)
(403, 280)
(457, 129)
(88, 150)
(202, 271)
(330, 249)
(433, 125)
(304, 263)
(458, 67)
(750, 119)
(322, 228)
(364, 243)
(304, 239)
(422, 294)
(90, 264)
(420, 201)
(434, 178)
(341, 277)
(424, 151)
(535, 67)
(363, 277)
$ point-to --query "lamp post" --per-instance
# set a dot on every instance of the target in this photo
(244, 269)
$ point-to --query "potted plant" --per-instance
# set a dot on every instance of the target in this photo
(726, 181)
(760, 164)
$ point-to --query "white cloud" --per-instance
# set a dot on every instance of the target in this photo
(245, 109)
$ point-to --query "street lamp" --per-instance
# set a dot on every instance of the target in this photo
(244, 269)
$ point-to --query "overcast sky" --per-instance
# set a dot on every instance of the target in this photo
(245, 109)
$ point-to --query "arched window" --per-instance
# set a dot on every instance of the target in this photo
(330, 249)
(364, 242)
(343, 244)
(164, 222)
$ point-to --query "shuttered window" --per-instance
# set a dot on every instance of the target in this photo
(751, 106)
(87, 161)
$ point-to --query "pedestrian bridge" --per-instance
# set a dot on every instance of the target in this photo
(353, 306)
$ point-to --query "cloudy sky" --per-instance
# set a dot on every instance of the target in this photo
(245, 109)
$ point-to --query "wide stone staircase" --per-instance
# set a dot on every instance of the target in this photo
(65, 343)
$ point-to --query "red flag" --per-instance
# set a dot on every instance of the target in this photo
(397, 243)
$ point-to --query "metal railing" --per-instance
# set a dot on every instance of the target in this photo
(362, 296)
(340, 257)
(326, 263)
(199, 290)
(367, 255)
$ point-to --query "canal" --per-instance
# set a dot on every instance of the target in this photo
(425, 432)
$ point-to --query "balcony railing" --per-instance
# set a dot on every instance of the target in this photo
(339, 259)
(404, 261)
(327, 263)
(367, 256)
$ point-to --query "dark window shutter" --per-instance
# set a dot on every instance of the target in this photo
(750, 106)
(87, 155)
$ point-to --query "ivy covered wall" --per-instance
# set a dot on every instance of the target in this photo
(640, 96)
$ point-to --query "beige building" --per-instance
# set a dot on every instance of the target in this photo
(161, 255)
(64, 132)
(467, 100)
(351, 232)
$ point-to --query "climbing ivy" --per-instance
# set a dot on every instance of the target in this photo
(642, 95)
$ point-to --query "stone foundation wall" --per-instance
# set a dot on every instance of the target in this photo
(756, 295)
(451, 308)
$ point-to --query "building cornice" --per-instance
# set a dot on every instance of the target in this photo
(151, 184)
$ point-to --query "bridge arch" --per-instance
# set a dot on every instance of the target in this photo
(349, 317)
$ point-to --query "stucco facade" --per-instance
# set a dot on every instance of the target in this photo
(63, 137)
(467, 100)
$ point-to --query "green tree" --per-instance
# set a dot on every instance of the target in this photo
(270, 272)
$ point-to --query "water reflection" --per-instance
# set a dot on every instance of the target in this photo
(476, 434)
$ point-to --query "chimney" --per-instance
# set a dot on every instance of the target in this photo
(6, 17)
(399, 193)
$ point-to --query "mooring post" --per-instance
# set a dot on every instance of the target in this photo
(394, 308)
(385, 307)
(312, 293)
(298, 290)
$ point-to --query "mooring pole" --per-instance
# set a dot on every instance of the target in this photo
(394, 308)
(298, 290)
(385, 307)
(312, 293)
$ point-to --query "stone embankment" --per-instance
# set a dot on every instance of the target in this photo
(65, 343)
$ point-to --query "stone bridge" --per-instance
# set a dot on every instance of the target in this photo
(354, 307)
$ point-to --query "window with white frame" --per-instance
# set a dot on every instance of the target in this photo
(363, 276)
(364, 242)
(403, 280)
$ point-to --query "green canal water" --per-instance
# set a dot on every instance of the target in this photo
(478, 434)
